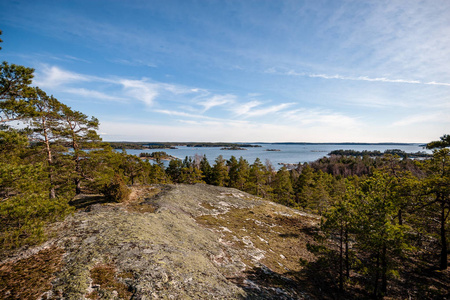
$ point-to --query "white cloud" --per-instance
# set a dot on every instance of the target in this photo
(438, 83)
(423, 118)
(93, 94)
(178, 113)
(114, 89)
(53, 77)
(310, 117)
(249, 109)
(216, 100)
(141, 90)
(352, 78)
(243, 109)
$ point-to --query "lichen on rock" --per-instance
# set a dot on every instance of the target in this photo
(178, 242)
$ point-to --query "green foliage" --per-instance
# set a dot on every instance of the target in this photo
(219, 174)
(116, 190)
(444, 142)
(206, 169)
(23, 218)
(282, 188)
(14, 89)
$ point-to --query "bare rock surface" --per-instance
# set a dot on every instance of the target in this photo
(178, 242)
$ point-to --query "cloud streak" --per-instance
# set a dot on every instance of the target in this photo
(354, 78)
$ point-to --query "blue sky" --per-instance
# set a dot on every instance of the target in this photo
(241, 70)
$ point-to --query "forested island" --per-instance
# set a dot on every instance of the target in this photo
(157, 156)
(233, 148)
(396, 152)
(384, 228)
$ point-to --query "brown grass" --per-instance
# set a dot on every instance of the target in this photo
(104, 276)
(30, 277)
(283, 238)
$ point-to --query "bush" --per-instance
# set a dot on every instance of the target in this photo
(116, 190)
(23, 218)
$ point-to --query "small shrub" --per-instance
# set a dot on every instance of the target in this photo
(116, 190)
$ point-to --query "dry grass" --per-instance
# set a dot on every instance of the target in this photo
(104, 277)
(279, 236)
(30, 277)
(138, 201)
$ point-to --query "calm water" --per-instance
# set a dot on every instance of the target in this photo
(289, 153)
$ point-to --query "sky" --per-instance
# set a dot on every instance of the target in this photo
(241, 70)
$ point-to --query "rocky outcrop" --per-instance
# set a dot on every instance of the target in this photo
(173, 242)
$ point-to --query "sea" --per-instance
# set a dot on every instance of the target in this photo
(286, 154)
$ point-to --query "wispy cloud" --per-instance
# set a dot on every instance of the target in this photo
(180, 114)
(312, 117)
(134, 63)
(423, 118)
(216, 100)
(53, 76)
(254, 109)
(109, 88)
(353, 78)
(94, 94)
(141, 90)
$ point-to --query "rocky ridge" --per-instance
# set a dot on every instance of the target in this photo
(168, 242)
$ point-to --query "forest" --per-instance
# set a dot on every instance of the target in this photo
(385, 219)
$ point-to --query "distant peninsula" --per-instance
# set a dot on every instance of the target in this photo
(174, 145)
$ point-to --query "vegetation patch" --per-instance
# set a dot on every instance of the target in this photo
(275, 239)
(140, 199)
(30, 277)
(106, 283)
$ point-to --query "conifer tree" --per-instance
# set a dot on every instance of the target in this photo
(282, 187)
(219, 174)
(15, 90)
(206, 169)
(257, 179)
(379, 233)
(233, 172)
(339, 222)
(174, 170)
(80, 132)
(242, 174)
(45, 118)
(437, 191)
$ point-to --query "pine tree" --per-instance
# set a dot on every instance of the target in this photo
(437, 195)
(45, 118)
(339, 223)
(258, 179)
(378, 231)
(233, 172)
(80, 132)
(206, 169)
(242, 174)
(282, 188)
(219, 175)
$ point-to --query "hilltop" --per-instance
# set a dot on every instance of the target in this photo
(168, 241)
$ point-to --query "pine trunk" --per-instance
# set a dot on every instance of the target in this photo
(444, 262)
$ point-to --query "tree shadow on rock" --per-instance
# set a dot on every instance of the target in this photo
(82, 201)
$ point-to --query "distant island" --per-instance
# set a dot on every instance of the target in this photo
(376, 153)
(159, 155)
(233, 148)
(223, 145)
(174, 145)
